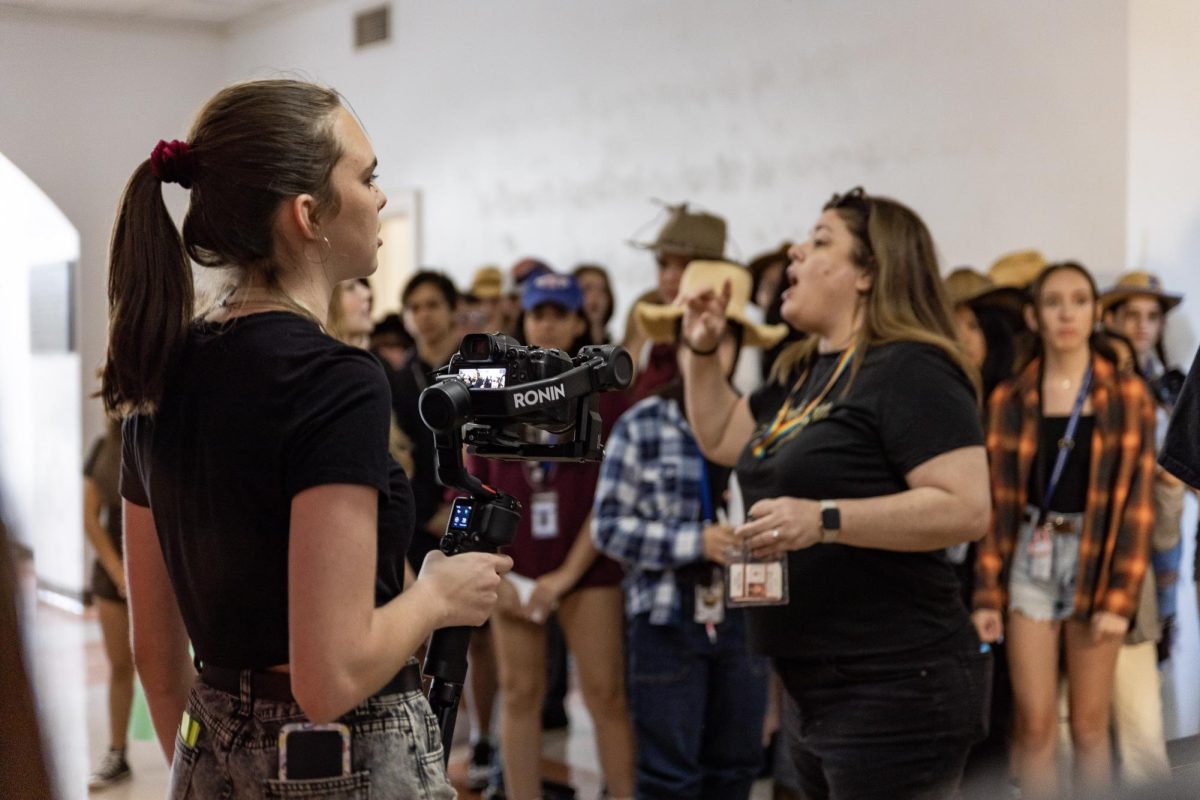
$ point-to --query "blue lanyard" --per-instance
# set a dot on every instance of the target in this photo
(706, 501)
(1066, 444)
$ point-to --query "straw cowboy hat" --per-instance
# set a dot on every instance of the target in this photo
(488, 283)
(1139, 284)
(1017, 269)
(658, 321)
(965, 285)
(689, 233)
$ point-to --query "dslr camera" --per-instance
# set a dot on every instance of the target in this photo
(497, 388)
(492, 392)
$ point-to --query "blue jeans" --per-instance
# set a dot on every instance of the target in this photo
(894, 727)
(697, 708)
(395, 751)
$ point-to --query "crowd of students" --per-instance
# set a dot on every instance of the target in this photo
(839, 487)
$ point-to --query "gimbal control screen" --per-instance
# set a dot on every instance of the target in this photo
(483, 377)
(460, 514)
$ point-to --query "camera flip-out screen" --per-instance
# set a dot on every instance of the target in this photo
(460, 514)
(482, 377)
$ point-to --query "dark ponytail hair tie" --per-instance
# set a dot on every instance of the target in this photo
(173, 162)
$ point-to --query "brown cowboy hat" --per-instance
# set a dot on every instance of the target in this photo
(965, 285)
(1018, 269)
(658, 320)
(689, 233)
(1139, 284)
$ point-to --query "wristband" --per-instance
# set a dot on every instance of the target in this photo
(708, 352)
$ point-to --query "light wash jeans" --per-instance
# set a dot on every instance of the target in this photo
(395, 750)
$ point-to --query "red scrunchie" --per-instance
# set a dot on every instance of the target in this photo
(173, 162)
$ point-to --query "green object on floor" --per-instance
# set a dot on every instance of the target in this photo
(141, 727)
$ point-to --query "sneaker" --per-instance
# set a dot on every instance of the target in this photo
(112, 770)
(479, 768)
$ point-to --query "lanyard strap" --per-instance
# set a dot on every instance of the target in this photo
(1066, 444)
(789, 421)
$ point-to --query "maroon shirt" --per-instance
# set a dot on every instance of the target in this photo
(574, 485)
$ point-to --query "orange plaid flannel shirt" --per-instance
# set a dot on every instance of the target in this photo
(1114, 547)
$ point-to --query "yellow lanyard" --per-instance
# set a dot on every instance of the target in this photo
(788, 421)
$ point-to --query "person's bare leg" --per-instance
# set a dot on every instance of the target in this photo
(1090, 670)
(482, 682)
(1033, 664)
(114, 624)
(521, 657)
(593, 624)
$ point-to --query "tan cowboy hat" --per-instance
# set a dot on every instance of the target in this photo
(1139, 284)
(658, 321)
(965, 285)
(1018, 269)
(689, 233)
(488, 283)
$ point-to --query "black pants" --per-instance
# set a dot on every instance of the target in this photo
(892, 727)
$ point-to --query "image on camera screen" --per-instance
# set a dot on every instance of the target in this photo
(483, 377)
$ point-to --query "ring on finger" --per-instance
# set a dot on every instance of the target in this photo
(775, 533)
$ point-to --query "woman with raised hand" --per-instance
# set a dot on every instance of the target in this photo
(1071, 451)
(861, 462)
(264, 520)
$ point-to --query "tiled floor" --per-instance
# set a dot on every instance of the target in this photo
(70, 672)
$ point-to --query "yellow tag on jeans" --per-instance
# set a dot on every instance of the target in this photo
(189, 730)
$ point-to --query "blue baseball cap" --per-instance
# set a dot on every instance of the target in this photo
(550, 287)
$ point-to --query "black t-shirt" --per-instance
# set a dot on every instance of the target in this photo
(1070, 496)
(258, 410)
(907, 404)
(1181, 451)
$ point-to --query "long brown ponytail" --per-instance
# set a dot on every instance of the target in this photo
(150, 297)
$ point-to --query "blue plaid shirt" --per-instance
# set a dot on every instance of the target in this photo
(649, 503)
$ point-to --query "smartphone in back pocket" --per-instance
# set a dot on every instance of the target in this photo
(313, 751)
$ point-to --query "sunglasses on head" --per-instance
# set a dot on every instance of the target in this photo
(856, 199)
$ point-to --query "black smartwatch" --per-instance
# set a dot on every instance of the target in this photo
(831, 521)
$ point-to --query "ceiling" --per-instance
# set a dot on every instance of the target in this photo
(211, 12)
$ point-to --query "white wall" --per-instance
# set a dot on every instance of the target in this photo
(81, 103)
(537, 126)
(43, 513)
(1164, 157)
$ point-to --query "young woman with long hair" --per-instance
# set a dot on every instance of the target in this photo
(1071, 446)
(102, 526)
(264, 520)
(861, 462)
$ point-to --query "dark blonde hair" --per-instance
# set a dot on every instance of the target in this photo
(252, 146)
(907, 300)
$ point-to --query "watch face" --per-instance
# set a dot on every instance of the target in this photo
(831, 519)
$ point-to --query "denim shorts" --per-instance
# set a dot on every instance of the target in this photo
(1045, 600)
(395, 750)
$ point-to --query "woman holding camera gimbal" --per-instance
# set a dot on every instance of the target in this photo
(264, 520)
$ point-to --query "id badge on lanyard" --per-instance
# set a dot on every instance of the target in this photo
(543, 515)
(1041, 553)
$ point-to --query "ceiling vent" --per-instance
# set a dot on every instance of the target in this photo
(372, 26)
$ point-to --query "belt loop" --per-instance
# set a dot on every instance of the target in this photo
(245, 688)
